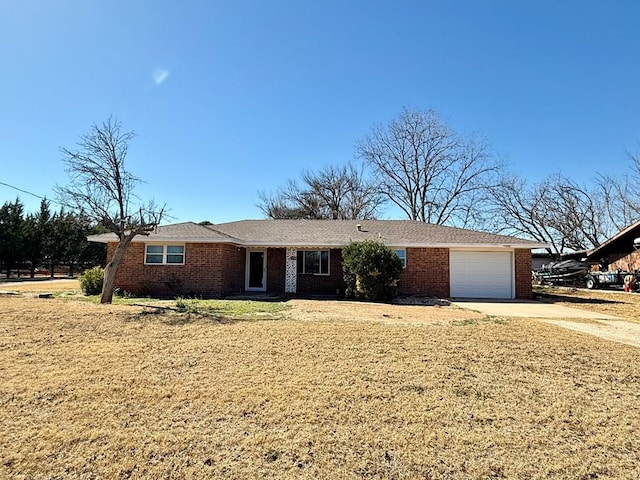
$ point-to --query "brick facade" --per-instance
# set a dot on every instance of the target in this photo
(210, 270)
(332, 284)
(427, 272)
(522, 263)
(625, 261)
(215, 270)
(276, 262)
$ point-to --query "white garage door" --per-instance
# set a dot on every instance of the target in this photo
(481, 274)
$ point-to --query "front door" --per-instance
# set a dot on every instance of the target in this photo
(256, 270)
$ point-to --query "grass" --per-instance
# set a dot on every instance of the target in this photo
(90, 391)
(233, 309)
(612, 302)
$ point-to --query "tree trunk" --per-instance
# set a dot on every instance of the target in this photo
(108, 285)
(110, 270)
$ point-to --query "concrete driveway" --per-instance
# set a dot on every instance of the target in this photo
(528, 309)
(604, 326)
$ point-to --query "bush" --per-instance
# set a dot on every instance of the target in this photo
(371, 270)
(121, 293)
(91, 281)
(188, 305)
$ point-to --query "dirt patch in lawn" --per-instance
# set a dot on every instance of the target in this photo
(335, 310)
(91, 391)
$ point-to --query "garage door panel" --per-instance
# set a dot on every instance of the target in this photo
(481, 274)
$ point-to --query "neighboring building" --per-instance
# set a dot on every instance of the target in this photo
(304, 257)
(540, 259)
(619, 252)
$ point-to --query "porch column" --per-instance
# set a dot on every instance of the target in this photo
(291, 271)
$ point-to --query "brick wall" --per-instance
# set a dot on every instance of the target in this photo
(427, 272)
(522, 263)
(214, 270)
(276, 269)
(331, 284)
(210, 270)
(624, 261)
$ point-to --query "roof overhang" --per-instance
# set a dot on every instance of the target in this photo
(112, 238)
(526, 246)
(105, 238)
(621, 243)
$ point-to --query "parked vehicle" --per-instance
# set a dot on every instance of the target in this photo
(609, 279)
(566, 272)
(579, 274)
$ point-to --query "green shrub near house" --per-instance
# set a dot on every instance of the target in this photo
(91, 281)
(371, 270)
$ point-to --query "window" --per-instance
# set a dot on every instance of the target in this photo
(164, 254)
(402, 255)
(313, 262)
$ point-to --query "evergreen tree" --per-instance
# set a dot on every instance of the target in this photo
(11, 245)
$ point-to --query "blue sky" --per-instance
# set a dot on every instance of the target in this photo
(232, 97)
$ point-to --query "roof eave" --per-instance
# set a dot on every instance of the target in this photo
(338, 244)
(159, 239)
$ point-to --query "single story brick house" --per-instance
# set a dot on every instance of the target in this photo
(303, 257)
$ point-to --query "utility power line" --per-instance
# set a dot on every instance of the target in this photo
(30, 193)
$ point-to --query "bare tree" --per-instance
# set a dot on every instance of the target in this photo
(617, 193)
(621, 193)
(557, 211)
(335, 192)
(101, 188)
(432, 173)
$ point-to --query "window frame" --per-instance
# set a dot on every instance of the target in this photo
(304, 262)
(402, 258)
(165, 253)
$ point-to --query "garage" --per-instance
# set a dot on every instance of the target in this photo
(476, 274)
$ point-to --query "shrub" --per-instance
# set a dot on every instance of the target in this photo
(188, 305)
(91, 281)
(121, 293)
(371, 270)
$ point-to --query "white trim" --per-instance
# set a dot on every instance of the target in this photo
(164, 252)
(247, 270)
(329, 245)
(395, 249)
(324, 246)
(320, 274)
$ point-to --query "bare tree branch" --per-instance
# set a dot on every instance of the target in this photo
(102, 189)
(335, 192)
(429, 171)
(558, 211)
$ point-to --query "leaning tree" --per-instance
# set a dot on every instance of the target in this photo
(102, 189)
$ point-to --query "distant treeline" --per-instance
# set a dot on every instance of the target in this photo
(46, 241)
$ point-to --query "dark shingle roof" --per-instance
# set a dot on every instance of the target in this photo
(187, 231)
(341, 232)
(308, 233)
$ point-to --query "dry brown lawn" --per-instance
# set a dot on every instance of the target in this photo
(42, 285)
(612, 302)
(114, 392)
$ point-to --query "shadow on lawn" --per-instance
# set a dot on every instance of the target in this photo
(170, 316)
(551, 298)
